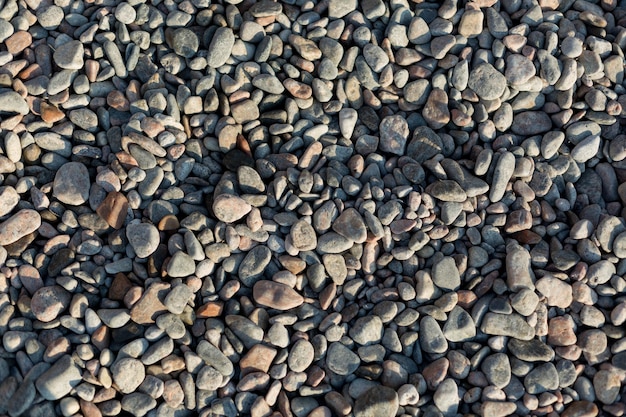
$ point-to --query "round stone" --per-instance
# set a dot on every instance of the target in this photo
(72, 184)
(128, 374)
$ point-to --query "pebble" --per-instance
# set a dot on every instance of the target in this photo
(377, 401)
(72, 184)
(48, 302)
(487, 82)
(127, 374)
(276, 295)
(59, 379)
(341, 360)
(143, 238)
(21, 224)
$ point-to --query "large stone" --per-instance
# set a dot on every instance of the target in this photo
(60, 379)
(72, 184)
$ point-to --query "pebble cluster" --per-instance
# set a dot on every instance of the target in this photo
(312, 208)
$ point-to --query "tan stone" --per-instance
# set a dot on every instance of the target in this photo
(276, 295)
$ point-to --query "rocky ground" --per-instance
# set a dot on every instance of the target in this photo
(312, 208)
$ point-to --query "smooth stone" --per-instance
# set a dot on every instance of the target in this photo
(378, 401)
(60, 379)
(128, 374)
(276, 295)
(72, 184)
(512, 325)
(21, 224)
(230, 208)
(487, 82)
(143, 238)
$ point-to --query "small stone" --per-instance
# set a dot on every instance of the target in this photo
(394, 132)
(17, 42)
(530, 123)
(72, 184)
(378, 401)
(471, 24)
(181, 265)
(460, 326)
(487, 82)
(114, 209)
(303, 236)
(143, 238)
(11, 102)
(220, 47)
(350, 225)
(276, 295)
(50, 17)
(424, 145)
(541, 379)
(512, 325)
(301, 356)
(532, 350)
(9, 198)
(558, 292)
(445, 274)
(367, 330)
(128, 374)
(150, 305)
(341, 360)
(70, 55)
(519, 69)
(60, 379)
(245, 111)
(125, 13)
(436, 112)
(48, 302)
(431, 338)
(230, 208)
(340, 8)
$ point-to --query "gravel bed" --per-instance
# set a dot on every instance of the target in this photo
(308, 208)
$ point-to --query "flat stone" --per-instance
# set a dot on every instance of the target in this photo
(230, 208)
(21, 224)
(460, 326)
(532, 350)
(447, 190)
(541, 379)
(185, 43)
(70, 55)
(367, 330)
(276, 295)
(128, 374)
(394, 132)
(301, 356)
(214, 357)
(143, 238)
(341, 360)
(181, 265)
(487, 82)
(11, 102)
(378, 401)
(557, 292)
(60, 379)
(114, 209)
(150, 305)
(519, 69)
(72, 184)
(303, 236)
(424, 145)
(580, 409)
(48, 302)
(445, 274)
(497, 369)
(512, 325)
(220, 47)
(530, 123)
(436, 112)
(350, 224)
(431, 338)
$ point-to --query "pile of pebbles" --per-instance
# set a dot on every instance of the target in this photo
(312, 208)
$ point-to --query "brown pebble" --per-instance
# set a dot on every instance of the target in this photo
(258, 359)
(17, 42)
(50, 113)
(114, 209)
(150, 305)
(119, 287)
(210, 309)
(276, 295)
